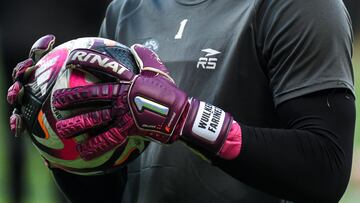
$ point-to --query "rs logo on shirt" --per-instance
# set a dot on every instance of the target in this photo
(208, 61)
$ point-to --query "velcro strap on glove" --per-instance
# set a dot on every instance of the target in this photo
(206, 126)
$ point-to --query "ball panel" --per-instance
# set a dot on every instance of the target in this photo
(135, 146)
(51, 140)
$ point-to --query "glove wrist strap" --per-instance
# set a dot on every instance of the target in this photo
(206, 126)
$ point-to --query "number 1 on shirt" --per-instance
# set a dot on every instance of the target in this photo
(181, 29)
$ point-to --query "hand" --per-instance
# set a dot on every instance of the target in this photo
(21, 74)
(148, 105)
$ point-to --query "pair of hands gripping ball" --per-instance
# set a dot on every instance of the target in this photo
(36, 80)
(90, 113)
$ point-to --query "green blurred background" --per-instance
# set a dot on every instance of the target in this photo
(37, 185)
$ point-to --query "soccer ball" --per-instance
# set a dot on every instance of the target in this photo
(41, 117)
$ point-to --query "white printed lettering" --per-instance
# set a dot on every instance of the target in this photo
(208, 122)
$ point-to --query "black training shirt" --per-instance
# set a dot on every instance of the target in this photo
(247, 57)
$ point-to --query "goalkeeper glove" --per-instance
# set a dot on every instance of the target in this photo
(148, 104)
(21, 74)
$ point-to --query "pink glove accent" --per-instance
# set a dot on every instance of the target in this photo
(232, 145)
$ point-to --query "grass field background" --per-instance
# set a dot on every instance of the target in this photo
(41, 189)
(352, 194)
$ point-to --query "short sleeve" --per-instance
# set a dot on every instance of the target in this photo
(103, 31)
(305, 46)
(109, 24)
(116, 13)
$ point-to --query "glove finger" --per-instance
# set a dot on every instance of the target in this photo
(114, 137)
(87, 95)
(16, 124)
(104, 142)
(23, 70)
(15, 93)
(81, 123)
(98, 63)
(149, 62)
(41, 47)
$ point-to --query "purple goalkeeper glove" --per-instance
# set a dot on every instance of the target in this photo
(22, 73)
(148, 104)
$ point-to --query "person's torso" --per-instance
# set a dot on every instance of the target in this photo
(210, 50)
